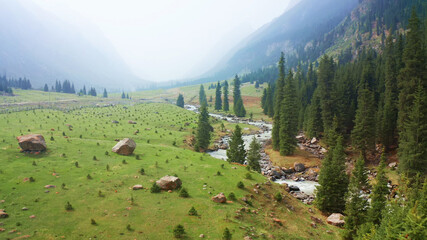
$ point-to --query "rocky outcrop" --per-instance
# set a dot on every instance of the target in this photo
(32, 142)
(125, 147)
(336, 219)
(220, 198)
(169, 183)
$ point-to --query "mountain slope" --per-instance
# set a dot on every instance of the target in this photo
(294, 29)
(39, 46)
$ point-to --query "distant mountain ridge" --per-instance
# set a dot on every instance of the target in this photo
(38, 46)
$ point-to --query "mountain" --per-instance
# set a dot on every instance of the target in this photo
(37, 45)
(308, 20)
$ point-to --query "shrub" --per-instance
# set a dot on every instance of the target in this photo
(89, 177)
(218, 173)
(278, 197)
(124, 161)
(108, 167)
(93, 222)
(76, 164)
(240, 185)
(193, 212)
(227, 234)
(100, 194)
(183, 193)
(248, 176)
(32, 179)
(129, 228)
(142, 171)
(137, 157)
(231, 196)
(34, 163)
(69, 207)
(94, 158)
(106, 153)
(155, 188)
(179, 231)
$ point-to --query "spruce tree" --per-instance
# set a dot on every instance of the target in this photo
(314, 118)
(412, 150)
(270, 101)
(105, 95)
(46, 88)
(278, 98)
(414, 71)
(363, 134)
(263, 101)
(202, 96)
(226, 105)
(236, 151)
(356, 205)
(333, 180)
(180, 101)
(379, 193)
(288, 118)
(254, 156)
(389, 118)
(203, 135)
(218, 101)
(238, 107)
(325, 79)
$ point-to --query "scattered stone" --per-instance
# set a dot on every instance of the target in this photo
(114, 121)
(169, 191)
(50, 186)
(131, 122)
(299, 167)
(125, 147)
(294, 188)
(33, 216)
(2, 229)
(3, 214)
(316, 220)
(220, 198)
(392, 165)
(329, 231)
(24, 209)
(169, 183)
(278, 221)
(201, 235)
(137, 187)
(313, 140)
(336, 219)
(313, 225)
(32, 142)
(47, 191)
(247, 238)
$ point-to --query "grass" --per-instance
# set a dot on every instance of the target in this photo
(300, 156)
(106, 198)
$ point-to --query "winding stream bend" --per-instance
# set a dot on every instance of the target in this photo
(262, 136)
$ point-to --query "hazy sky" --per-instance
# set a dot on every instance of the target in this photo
(170, 39)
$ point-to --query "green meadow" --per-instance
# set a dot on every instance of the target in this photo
(97, 182)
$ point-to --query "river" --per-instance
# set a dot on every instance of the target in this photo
(306, 187)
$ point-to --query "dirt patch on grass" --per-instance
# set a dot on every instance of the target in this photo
(300, 156)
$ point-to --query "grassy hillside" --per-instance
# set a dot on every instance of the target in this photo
(107, 198)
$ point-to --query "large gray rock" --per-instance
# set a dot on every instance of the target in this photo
(32, 142)
(336, 219)
(125, 147)
(299, 167)
(169, 183)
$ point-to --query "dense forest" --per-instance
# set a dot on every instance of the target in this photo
(6, 84)
(376, 104)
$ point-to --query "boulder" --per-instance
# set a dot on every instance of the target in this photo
(299, 167)
(392, 165)
(3, 214)
(32, 142)
(336, 219)
(313, 140)
(220, 198)
(294, 188)
(137, 187)
(169, 183)
(125, 147)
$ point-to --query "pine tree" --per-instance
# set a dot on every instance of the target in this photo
(379, 193)
(227, 234)
(218, 101)
(226, 105)
(180, 101)
(333, 180)
(414, 71)
(413, 137)
(236, 151)
(203, 135)
(105, 95)
(263, 101)
(278, 98)
(84, 90)
(389, 118)
(288, 118)
(238, 107)
(314, 119)
(356, 205)
(254, 156)
(270, 102)
(202, 96)
(363, 134)
(123, 95)
(46, 88)
(325, 79)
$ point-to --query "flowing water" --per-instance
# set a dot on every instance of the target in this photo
(307, 187)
